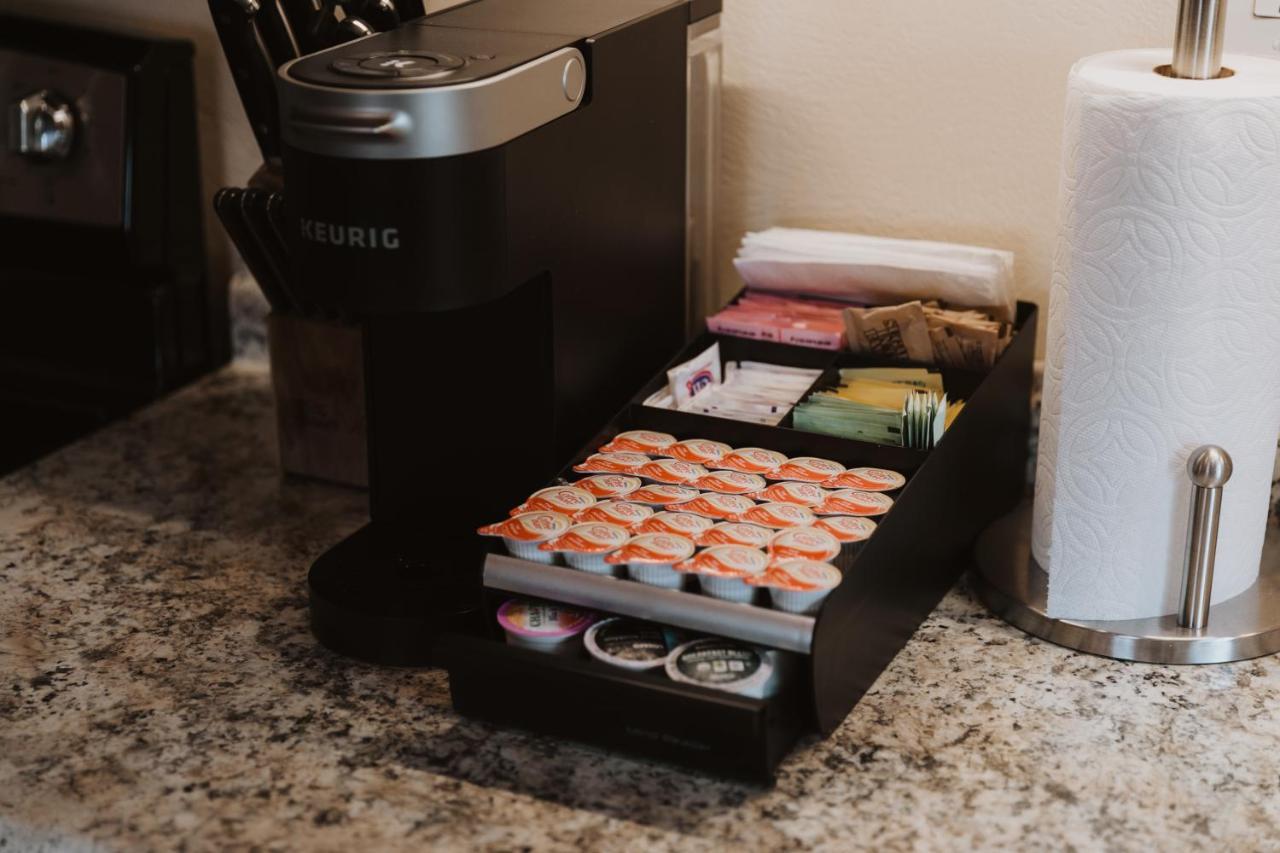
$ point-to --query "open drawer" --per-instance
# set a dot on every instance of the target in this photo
(891, 582)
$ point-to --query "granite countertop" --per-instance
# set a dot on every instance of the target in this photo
(160, 689)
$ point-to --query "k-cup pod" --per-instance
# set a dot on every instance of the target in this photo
(867, 480)
(584, 546)
(806, 469)
(677, 523)
(651, 558)
(846, 528)
(735, 533)
(751, 460)
(723, 569)
(662, 495)
(725, 665)
(631, 643)
(716, 506)
(543, 625)
(609, 486)
(624, 513)
(672, 471)
(699, 451)
(612, 463)
(639, 441)
(804, 494)
(854, 502)
(803, 543)
(522, 534)
(566, 499)
(799, 586)
(777, 515)
(729, 482)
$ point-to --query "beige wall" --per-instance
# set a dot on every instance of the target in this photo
(913, 118)
(918, 118)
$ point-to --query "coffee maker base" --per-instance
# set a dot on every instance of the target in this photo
(370, 602)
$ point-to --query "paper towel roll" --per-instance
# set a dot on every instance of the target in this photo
(1164, 330)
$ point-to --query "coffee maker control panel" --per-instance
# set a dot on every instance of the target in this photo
(422, 55)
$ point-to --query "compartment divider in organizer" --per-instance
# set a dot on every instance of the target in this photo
(774, 628)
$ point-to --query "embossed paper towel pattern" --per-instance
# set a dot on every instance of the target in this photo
(1164, 330)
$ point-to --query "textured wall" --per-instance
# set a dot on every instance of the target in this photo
(913, 118)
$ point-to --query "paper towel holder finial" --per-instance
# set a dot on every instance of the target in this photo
(1197, 40)
(1209, 468)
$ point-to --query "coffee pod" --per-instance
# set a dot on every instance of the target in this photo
(522, 534)
(854, 502)
(725, 665)
(609, 486)
(799, 586)
(723, 569)
(867, 480)
(806, 469)
(565, 499)
(677, 523)
(624, 513)
(699, 451)
(729, 482)
(543, 625)
(639, 441)
(585, 546)
(803, 543)
(713, 505)
(630, 643)
(751, 460)
(846, 528)
(650, 558)
(776, 515)
(805, 494)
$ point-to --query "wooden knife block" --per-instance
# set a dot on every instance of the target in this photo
(317, 371)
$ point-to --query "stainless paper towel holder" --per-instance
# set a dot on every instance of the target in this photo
(1012, 584)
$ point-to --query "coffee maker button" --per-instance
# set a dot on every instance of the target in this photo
(354, 68)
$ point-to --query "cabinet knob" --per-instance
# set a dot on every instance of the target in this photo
(42, 126)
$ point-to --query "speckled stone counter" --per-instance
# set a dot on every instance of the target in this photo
(159, 689)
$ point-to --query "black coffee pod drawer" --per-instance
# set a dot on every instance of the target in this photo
(890, 585)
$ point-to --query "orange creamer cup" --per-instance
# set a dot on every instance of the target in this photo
(623, 513)
(729, 482)
(714, 505)
(804, 494)
(751, 460)
(854, 502)
(611, 463)
(777, 515)
(639, 441)
(700, 451)
(867, 480)
(653, 548)
(806, 469)
(736, 533)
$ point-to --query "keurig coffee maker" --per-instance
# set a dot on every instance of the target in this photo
(498, 194)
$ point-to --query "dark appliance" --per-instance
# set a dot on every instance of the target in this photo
(497, 192)
(107, 303)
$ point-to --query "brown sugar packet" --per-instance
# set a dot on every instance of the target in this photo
(892, 331)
